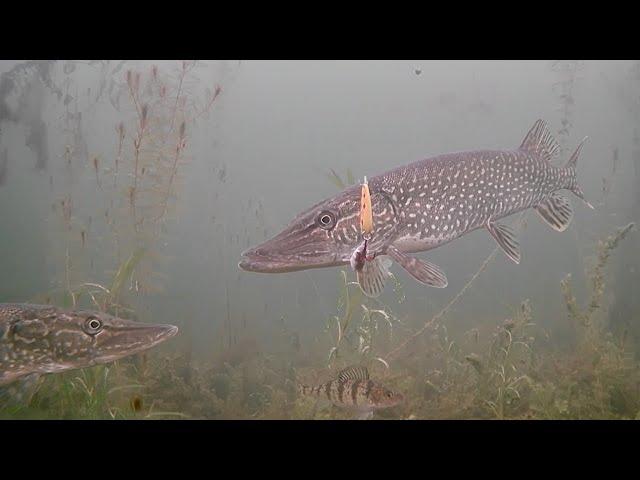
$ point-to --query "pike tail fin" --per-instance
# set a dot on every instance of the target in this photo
(570, 167)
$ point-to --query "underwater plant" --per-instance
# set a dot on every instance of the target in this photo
(22, 94)
(567, 72)
(583, 319)
(137, 186)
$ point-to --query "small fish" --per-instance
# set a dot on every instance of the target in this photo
(353, 389)
(428, 204)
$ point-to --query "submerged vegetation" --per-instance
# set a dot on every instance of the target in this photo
(514, 371)
(115, 204)
(136, 184)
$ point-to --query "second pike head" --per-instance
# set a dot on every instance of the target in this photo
(46, 339)
(104, 338)
(325, 235)
(97, 338)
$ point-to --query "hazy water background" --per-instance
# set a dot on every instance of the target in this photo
(273, 134)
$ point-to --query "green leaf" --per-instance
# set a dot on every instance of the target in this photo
(125, 271)
(335, 179)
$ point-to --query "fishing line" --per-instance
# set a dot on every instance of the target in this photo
(520, 223)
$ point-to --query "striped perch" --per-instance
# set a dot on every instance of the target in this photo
(354, 389)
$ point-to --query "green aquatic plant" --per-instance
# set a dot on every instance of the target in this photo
(361, 337)
(125, 272)
(508, 364)
(515, 376)
(338, 181)
(583, 318)
(567, 73)
(82, 394)
(347, 303)
(460, 379)
(520, 223)
(137, 185)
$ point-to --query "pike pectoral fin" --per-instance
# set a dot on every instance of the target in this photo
(422, 271)
(373, 275)
(556, 211)
(506, 238)
(19, 392)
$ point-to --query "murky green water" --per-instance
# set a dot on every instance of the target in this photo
(133, 187)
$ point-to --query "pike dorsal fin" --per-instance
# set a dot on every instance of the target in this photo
(540, 141)
(353, 373)
(556, 211)
(506, 238)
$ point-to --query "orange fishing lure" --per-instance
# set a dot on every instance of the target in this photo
(366, 215)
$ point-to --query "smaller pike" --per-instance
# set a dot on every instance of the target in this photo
(354, 389)
(41, 339)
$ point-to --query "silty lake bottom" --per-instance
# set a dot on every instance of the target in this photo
(130, 189)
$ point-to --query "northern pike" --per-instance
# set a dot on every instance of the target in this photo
(353, 389)
(425, 205)
(41, 339)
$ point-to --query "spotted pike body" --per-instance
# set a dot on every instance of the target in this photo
(437, 200)
(40, 339)
(354, 389)
(425, 205)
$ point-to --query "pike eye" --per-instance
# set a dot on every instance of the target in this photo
(93, 325)
(326, 220)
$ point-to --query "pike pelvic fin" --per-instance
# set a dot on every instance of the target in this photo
(422, 271)
(373, 276)
(540, 141)
(506, 238)
(556, 211)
